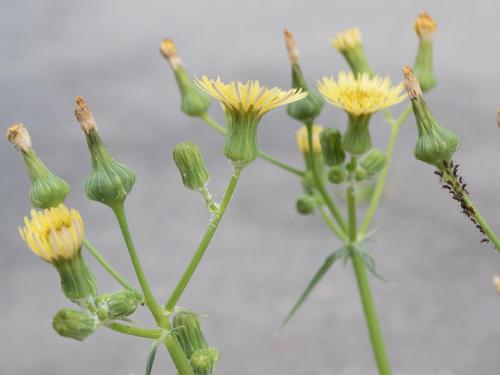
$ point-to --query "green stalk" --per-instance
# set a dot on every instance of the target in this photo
(370, 312)
(490, 233)
(135, 331)
(379, 187)
(195, 261)
(108, 267)
(331, 224)
(172, 344)
(264, 155)
(319, 183)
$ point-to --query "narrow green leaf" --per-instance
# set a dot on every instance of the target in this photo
(314, 281)
(152, 355)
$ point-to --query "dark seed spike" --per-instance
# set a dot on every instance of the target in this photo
(485, 240)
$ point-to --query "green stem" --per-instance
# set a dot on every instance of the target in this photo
(331, 224)
(108, 267)
(370, 312)
(264, 155)
(172, 344)
(195, 261)
(135, 331)
(320, 185)
(379, 187)
(487, 229)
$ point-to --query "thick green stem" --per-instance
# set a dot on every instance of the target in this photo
(379, 187)
(173, 346)
(264, 155)
(195, 261)
(108, 267)
(370, 312)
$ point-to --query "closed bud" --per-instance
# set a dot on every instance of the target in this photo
(337, 174)
(189, 161)
(194, 102)
(187, 328)
(47, 190)
(331, 145)
(356, 139)
(373, 161)
(360, 174)
(74, 324)
(117, 305)
(425, 27)
(435, 143)
(109, 181)
(205, 361)
(306, 204)
(348, 43)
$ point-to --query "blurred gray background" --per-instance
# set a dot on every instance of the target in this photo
(439, 312)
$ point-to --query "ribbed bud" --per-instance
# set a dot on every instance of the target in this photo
(357, 140)
(47, 190)
(189, 161)
(331, 145)
(306, 204)
(241, 141)
(425, 28)
(337, 174)
(187, 328)
(435, 143)
(77, 280)
(109, 181)
(373, 161)
(74, 324)
(117, 305)
(205, 361)
(348, 43)
(360, 174)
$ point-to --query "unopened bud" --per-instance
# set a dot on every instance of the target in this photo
(187, 328)
(205, 361)
(19, 136)
(348, 43)
(74, 324)
(306, 204)
(425, 28)
(337, 174)
(117, 305)
(373, 161)
(331, 145)
(189, 161)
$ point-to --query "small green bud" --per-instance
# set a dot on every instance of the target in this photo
(194, 102)
(360, 174)
(308, 183)
(337, 174)
(74, 324)
(77, 280)
(109, 181)
(47, 190)
(348, 43)
(373, 161)
(306, 204)
(187, 328)
(205, 361)
(331, 145)
(435, 143)
(117, 305)
(189, 161)
(425, 27)
(356, 139)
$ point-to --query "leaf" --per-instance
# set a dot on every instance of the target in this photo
(314, 281)
(152, 355)
(369, 263)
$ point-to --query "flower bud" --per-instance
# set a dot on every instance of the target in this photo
(373, 161)
(303, 140)
(109, 181)
(306, 204)
(47, 190)
(331, 145)
(194, 102)
(74, 324)
(337, 174)
(348, 43)
(189, 161)
(117, 305)
(435, 143)
(307, 109)
(360, 174)
(425, 27)
(187, 328)
(205, 361)
(356, 139)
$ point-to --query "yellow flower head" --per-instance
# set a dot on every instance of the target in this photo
(425, 26)
(350, 38)
(360, 95)
(54, 234)
(303, 142)
(248, 97)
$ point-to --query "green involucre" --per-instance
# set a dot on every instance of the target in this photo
(205, 361)
(189, 161)
(74, 324)
(241, 140)
(307, 109)
(373, 161)
(306, 204)
(187, 328)
(117, 305)
(356, 139)
(423, 66)
(331, 146)
(77, 280)
(194, 102)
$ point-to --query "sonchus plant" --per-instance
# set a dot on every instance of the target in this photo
(335, 160)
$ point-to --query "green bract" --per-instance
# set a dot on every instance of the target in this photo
(241, 141)
(337, 174)
(306, 204)
(307, 109)
(205, 361)
(189, 161)
(77, 280)
(194, 102)
(356, 139)
(117, 305)
(74, 324)
(423, 65)
(373, 161)
(188, 331)
(331, 146)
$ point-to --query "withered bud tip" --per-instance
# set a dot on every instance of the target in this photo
(425, 26)
(84, 116)
(496, 283)
(169, 51)
(291, 46)
(411, 83)
(19, 136)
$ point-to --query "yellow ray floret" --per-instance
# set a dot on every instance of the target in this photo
(360, 95)
(54, 234)
(346, 39)
(248, 97)
(303, 141)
